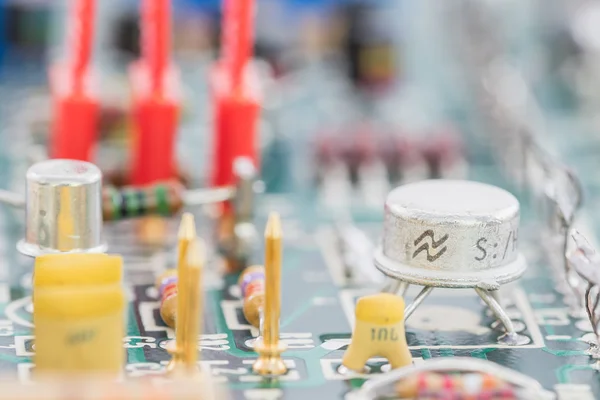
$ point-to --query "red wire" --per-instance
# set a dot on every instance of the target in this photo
(238, 18)
(81, 38)
(156, 39)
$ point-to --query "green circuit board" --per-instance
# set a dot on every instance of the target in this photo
(318, 297)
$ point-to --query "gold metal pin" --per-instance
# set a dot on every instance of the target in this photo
(194, 262)
(186, 235)
(269, 362)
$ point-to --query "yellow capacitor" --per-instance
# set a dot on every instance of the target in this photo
(77, 269)
(79, 329)
(378, 331)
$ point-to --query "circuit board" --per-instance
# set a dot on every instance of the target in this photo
(318, 297)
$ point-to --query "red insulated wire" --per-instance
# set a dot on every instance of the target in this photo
(238, 18)
(81, 31)
(156, 39)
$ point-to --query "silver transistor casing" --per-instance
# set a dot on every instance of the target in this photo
(63, 208)
(449, 233)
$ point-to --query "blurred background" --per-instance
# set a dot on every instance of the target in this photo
(415, 70)
(358, 96)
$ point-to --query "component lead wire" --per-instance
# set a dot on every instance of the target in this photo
(197, 197)
(12, 199)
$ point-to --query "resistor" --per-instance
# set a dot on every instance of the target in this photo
(252, 284)
(359, 149)
(427, 385)
(499, 394)
(442, 151)
(167, 288)
(163, 198)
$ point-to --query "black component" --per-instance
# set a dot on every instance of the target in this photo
(127, 35)
(122, 205)
(435, 167)
(27, 26)
(368, 46)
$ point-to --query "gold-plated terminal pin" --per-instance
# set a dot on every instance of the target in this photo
(194, 262)
(186, 235)
(269, 362)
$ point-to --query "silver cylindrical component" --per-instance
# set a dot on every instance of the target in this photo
(64, 208)
(244, 198)
(244, 231)
(451, 233)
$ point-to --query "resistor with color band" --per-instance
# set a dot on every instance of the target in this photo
(425, 385)
(252, 284)
(500, 394)
(167, 287)
(163, 198)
